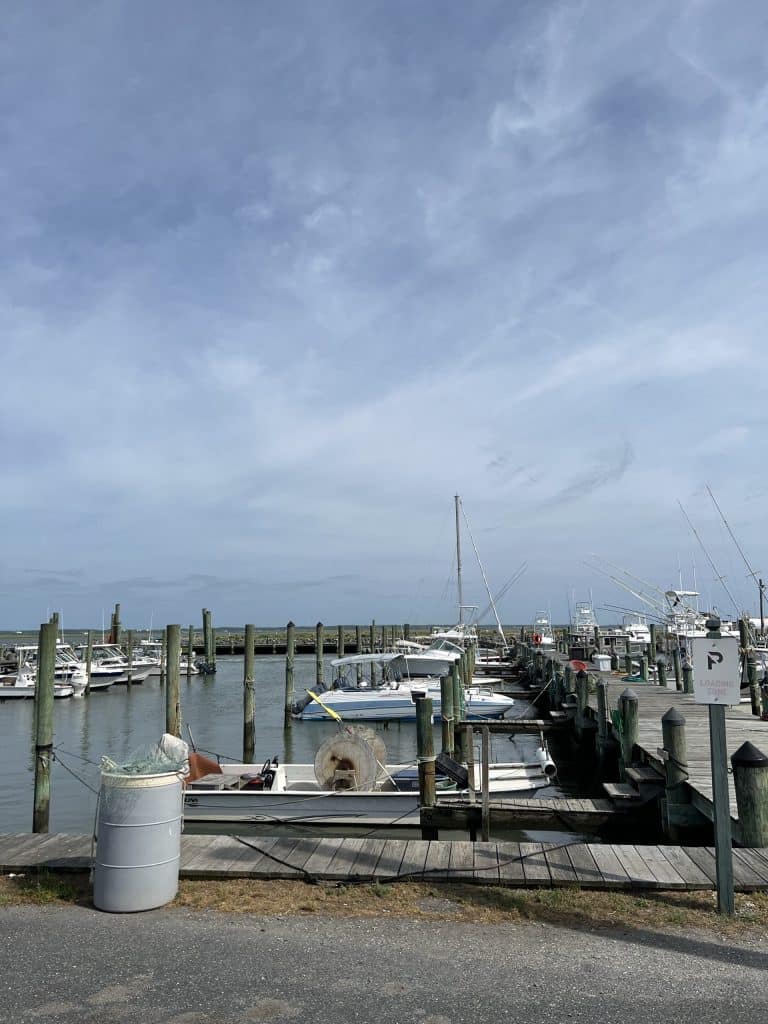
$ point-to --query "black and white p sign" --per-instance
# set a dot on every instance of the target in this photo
(716, 670)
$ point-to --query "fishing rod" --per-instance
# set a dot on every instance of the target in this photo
(718, 575)
(750, 571)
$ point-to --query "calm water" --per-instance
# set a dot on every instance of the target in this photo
(116, 722)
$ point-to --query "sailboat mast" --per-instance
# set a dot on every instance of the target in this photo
(457, 503)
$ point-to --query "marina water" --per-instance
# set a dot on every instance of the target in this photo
(119, 722)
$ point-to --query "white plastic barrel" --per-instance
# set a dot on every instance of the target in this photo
(138, 841)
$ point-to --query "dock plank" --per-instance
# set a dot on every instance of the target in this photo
(437, 862)
(388, 864)
(486, 863)
(614, 875)
(210, 861)
(364, 864)
(321, 858)
(687, 868)
(344, 858)
(587, 872)
(745, 876)
(535, 864)
(414, 857)
(248, 854)
(637, 869)
(663, 870)
(561, 871)
(704, 859)
(510, 864)
(462, 863)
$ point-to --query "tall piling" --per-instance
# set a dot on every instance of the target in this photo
(446, 714)
(46, 668)
(290, 658)
(173, 671)
(319, 643)
(249, 695)
(628, 714)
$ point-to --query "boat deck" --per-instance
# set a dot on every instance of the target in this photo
(589, 866)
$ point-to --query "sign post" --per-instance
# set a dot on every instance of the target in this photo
(716, 683)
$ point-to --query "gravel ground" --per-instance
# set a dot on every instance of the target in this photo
(75, 964)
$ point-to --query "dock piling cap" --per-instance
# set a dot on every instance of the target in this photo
(674, 717)
(749, 756)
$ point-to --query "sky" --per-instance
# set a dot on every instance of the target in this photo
(278, 280)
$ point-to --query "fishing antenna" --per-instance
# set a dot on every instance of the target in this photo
(460, 505)
(718, 576)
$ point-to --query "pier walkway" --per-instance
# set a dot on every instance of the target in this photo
(333, 860)
(653, 703)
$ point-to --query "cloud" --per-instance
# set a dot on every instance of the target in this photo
(608, 467)
(275, 287)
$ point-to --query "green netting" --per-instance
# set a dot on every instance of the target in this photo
(169, 755)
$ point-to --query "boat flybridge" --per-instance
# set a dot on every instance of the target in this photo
(542, 630)
(389, 693)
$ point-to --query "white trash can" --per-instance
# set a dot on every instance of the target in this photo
(138, 841)
(602, 662)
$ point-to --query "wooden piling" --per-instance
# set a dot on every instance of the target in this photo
(750, 777)
(117, 627)
(661, 672)
(425, 750)
(173, 671)
(209, 640)
(678, 668)
(358, 650)
(190, 650)
(88, 660)
(627, 664)
(628, 712)
(129, 657)
(319, 642)
(46, 668)
(446, 714)
(458, 706)
(754, 688)
(339, 641)
(249, 695)
(676, 772)
(581, 699)
(290, 658)
(485, 797)
(654, 641)
(687, 677)
(603, 735)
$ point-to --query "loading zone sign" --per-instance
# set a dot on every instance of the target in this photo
(716, 670)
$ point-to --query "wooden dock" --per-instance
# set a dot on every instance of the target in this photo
(537, 865)
(655, 701)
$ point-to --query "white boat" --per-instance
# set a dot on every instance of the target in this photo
(149, 654)
(109, 665)
(22, 685)
(347, 785)
(393, 696)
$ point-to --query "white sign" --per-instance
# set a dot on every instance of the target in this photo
(716, 670)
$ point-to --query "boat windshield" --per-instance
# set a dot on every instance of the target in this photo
(445, 645)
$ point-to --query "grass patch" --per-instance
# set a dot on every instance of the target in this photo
(44, 887)
(478, 904)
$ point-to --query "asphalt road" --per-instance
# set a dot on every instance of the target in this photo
(74, 964)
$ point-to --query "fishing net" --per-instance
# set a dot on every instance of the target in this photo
(169, 755)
